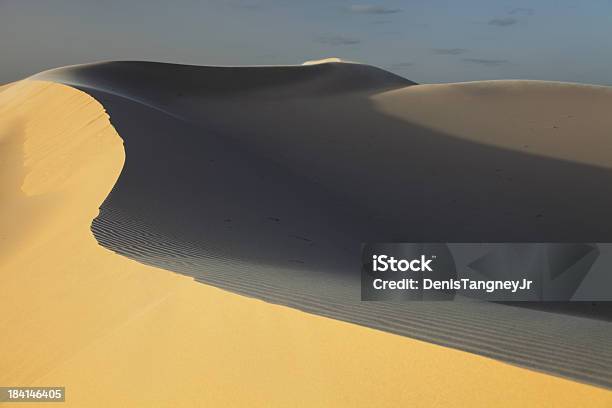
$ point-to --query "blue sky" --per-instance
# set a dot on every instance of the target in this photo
(425, 41)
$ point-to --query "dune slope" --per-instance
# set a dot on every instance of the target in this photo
(265, 181)
(118, 333)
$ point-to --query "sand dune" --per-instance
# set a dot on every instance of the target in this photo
(310, 171)
(260, 181)
(482, 160)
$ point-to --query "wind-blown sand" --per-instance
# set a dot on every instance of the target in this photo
(117, 332)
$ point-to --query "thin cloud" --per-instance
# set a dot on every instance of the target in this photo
(372, 9)
(486, 62)
(337, 40)
(522, 11)
(503, 22)
(449, 51)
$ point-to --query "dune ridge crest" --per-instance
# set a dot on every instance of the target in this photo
(324, 61)
(169, 81)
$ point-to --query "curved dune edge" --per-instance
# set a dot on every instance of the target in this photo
(116, 332)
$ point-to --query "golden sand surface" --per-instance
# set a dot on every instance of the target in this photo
(535, 117)
(117, 333)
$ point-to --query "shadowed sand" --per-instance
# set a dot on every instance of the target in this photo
(265, 180)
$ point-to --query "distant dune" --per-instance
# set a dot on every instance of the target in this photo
(264, 181)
